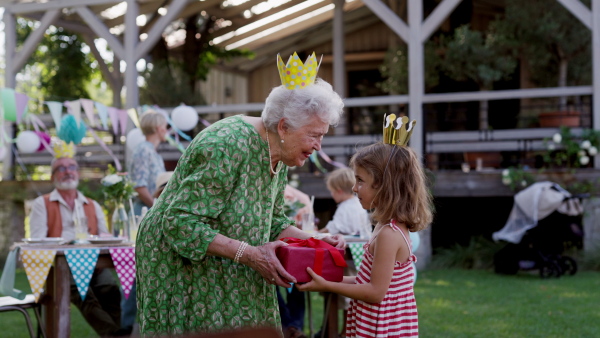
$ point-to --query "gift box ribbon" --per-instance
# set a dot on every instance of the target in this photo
(320, 248)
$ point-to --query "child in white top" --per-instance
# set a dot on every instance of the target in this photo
(349, 218)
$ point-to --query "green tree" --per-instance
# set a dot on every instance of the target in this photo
(173, 75)
(479, 57)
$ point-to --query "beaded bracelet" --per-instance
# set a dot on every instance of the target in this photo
(240, 251)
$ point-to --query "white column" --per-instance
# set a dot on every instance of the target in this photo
(596, 70)
(416, 73)
(131, 42)
(339, 65)
(10, 43)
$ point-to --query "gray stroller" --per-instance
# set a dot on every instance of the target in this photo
(545, 220)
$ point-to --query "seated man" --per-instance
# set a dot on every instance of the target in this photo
(56, 215)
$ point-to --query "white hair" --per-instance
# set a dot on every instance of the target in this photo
(298, 106)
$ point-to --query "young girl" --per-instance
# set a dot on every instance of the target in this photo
(391, 182)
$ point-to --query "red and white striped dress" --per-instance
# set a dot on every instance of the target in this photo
(396, 315)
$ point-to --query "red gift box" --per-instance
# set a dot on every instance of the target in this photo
(327, 261)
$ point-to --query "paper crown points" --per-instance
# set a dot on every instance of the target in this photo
(297, 75)
(397, 130)
(63, 149)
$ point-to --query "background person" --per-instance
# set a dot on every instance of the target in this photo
(146, 163)
(206, 250)
(65, 212)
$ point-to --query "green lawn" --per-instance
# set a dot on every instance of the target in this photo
(460, 303)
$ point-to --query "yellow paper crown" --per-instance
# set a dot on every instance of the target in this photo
(295, 74)
(397, 130)
(62, 149)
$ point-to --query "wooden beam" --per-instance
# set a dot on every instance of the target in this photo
(30, 7)
(596, 71)
(390, 18)
(145, 8)
(131, 41)
(106, 73)
(416, 74)
(579, 10)
(273, 23)
(33, 40)
(435, 19)
(357, 57)
(101, 30)
(156, 32)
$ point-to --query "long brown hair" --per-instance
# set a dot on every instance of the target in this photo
(401, 184)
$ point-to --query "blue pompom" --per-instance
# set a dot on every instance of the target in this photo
(69, 131)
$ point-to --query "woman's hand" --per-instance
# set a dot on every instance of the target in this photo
(337, 241)
(264, 260)
(317, 283)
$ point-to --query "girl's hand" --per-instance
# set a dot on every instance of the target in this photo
(317, 283)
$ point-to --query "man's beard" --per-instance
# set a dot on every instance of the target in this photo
(66, 184)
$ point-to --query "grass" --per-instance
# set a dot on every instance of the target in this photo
(458, 303)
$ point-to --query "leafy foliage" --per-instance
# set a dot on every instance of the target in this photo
(117, 187)
(566, 150)
(478, 254)
(517, 178)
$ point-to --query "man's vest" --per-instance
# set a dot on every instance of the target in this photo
(55, 219)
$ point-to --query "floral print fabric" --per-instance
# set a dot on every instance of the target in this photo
(146, 165)
(222, 185)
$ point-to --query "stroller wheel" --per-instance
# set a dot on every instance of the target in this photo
(550, 269)
(568, 265)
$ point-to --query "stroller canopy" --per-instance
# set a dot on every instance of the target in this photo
(536, 203)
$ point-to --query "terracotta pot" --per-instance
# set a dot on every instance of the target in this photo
(487, 159)
(560, 118)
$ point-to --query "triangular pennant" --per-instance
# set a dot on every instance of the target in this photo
(133, 115)
(103, 113)
(37, 264)
(74, 108)
(56, 112)
(9, 105)
(124, 262)
(88, 108)
(82, 263)
(357, 251)
(123, 120)
(114, 119)
(21, 101)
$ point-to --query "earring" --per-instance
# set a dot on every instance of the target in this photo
(282, 141)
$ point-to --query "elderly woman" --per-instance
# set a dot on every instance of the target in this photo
(206, 251)
(146, 163)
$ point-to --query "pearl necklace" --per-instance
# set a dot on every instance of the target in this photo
(270, 160)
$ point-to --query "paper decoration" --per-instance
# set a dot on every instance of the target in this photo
(44, 138)
(102, 113)
(28, 142)
(114, 119)
(56, 112)
(122, 113)
(21, 101)
(133, 115)
(74, 108)
(357, 251)
(9, 104)
(37, 264)
(88, 108)
(184, 117)
(70, 131)
(124, 262)
(82, 263)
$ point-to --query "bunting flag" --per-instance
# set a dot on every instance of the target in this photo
(330, 161)
(56, 112)
(37, 264)
(74, 108)
(122, 113)
(88, 109)
(133, 115)
(114, 120)
(102, 113)
(21, 101)
(357, 251)
(82, 263)
(124, 262)
(8, 104)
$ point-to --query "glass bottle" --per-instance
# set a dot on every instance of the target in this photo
(120, 221)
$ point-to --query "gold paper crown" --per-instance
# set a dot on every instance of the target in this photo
(295, 74)
(397, 130)
(62, 149)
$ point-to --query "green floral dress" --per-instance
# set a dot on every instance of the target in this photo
(222, 185)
